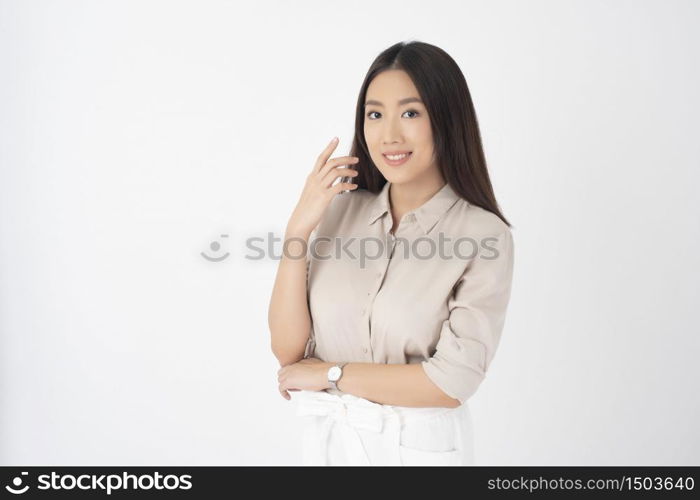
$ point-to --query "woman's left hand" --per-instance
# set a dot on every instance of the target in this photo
(308, 374)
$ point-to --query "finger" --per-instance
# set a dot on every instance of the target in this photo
(343, 186)
(285, 394)
(284, 388)
(338, 172)
(325, 154)
(336, 162)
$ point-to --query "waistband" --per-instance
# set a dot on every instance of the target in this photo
(365, 406)
(358, 413)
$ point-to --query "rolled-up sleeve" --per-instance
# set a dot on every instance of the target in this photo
(477, 309)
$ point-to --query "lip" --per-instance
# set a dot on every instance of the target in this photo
(396, 163)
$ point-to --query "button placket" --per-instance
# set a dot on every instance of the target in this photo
(366, 312)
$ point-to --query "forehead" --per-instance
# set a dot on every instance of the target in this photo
(390, 87)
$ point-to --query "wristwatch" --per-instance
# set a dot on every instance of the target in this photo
(334, 374)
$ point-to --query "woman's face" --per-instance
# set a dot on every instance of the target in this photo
(396, 120)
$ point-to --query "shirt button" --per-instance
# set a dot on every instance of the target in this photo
(364, 349)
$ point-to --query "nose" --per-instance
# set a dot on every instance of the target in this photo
(392, 131)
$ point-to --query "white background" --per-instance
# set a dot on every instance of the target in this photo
(134, 134)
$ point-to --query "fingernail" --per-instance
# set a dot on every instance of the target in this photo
(335, 139)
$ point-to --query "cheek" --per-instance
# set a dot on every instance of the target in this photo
(373, 142)
(370, 135)
(421, 133)
(425, 142)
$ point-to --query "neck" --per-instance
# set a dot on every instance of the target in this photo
(407, 196)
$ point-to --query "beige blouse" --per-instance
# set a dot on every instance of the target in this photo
(436, 293)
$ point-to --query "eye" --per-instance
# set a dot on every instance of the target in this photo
(407, 111)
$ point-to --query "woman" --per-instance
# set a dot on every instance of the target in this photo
(385, 342)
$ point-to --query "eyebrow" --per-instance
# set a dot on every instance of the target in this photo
(401, 102)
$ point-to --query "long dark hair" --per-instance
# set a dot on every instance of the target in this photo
(457, 141)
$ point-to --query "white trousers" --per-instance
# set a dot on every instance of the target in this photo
(348, 430)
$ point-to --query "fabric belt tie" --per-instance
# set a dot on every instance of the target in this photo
(351, 414)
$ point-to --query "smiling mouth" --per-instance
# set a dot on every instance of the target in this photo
(397, 159)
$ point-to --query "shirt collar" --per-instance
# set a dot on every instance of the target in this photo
(427, 214)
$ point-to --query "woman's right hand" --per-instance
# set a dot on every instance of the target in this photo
(318, 193)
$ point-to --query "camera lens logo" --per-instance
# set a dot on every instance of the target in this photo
(215, 246)
(17, 483)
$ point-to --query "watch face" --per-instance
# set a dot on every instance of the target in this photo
(334, 373)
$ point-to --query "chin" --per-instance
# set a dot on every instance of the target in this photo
(397, 177)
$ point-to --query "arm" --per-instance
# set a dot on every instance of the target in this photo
(392, 384)
(288, 314)
(469, 337)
